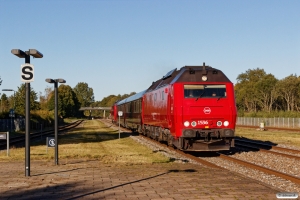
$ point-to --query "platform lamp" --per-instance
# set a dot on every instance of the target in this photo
(56, 81)
(11, 114)
(21, 54)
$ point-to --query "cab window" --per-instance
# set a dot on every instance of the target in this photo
(204, 91)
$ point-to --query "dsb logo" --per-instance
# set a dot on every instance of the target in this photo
(27, 72)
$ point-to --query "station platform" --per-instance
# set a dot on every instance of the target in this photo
(91, 179)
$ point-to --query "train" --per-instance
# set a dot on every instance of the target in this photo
(192, 109)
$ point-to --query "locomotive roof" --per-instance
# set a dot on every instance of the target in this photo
(190, 74)
(132, 98)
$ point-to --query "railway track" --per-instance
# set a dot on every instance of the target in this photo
(286, 176)
(223, 156)
(20, 140)
(266, 148)
(270, 171)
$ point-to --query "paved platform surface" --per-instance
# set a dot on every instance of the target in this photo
(79, 179)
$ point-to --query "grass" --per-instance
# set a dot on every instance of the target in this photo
(92, 141)
(280, 137)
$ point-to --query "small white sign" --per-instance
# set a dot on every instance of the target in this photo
(120, 113)
(50, 142)
(287, 195)
(27, 73)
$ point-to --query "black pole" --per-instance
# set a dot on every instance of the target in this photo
(27, 122)
(56, 122)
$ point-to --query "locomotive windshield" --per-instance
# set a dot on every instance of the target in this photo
(204, 91)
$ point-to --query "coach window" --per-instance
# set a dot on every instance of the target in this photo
(128, 107)
(135, 106)
(162, 95)
(155, 96)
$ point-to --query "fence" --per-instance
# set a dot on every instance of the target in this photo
(12, 124)
(269, 122)
(18, 124)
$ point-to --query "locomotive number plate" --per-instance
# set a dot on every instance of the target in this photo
(202, 122)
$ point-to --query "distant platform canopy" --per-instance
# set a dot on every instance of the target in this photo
(94, 108)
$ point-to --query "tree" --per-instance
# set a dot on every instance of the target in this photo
(289, 89)
(85, 94)
(20, 100)
(68, 104)
(298, 95)
(267, 92)
(4, 103)
(246, 89)
(45, 98)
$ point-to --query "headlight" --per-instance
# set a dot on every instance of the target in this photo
(226, 123)
(186, 123)
(219, 123)
(193, 124)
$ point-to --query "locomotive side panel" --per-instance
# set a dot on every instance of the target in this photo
(155, 108)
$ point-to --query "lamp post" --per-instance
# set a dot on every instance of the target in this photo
(27, 77)
(56, 81)
(12, 114)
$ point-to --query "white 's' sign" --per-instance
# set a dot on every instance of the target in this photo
(27, 73)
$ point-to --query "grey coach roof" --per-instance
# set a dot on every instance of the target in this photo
(132, 98)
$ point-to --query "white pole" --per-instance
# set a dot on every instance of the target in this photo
(119, 126)
(7, 143)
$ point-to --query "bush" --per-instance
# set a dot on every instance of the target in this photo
(260, 114)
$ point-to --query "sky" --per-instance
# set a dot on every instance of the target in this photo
(122, 46)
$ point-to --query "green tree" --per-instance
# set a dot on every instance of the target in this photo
(68, 104)
(4, 103)
(289, 91)
(46, 97)
(246, 89)
(267, 92)
(20, 100)
(84, 93)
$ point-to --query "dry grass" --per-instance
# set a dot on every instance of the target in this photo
(93, 140)
(280, 137)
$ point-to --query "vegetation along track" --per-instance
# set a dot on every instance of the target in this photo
(20, 140)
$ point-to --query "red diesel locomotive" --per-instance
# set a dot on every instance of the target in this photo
(192, 109)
